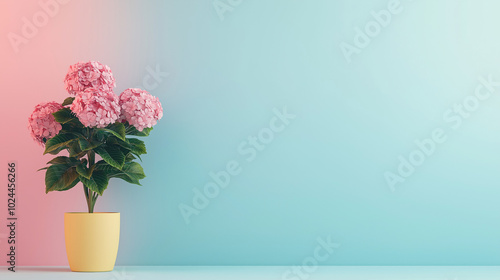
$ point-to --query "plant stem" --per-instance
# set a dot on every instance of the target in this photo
(86, 191)
(94, 199)
(91, 157)
(91, 196)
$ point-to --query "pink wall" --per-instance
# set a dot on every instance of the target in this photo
(30, 73)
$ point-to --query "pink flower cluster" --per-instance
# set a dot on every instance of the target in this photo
(92, 74)
(139, 108)
(42, 124)
(95, 108)
(95, 104)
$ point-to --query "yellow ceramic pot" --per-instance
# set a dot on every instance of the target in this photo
(92, 240)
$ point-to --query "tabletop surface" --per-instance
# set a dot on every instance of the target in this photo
(261, 273)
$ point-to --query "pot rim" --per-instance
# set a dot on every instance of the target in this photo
(80, 213)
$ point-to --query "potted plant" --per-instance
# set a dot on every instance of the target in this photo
(96, 131)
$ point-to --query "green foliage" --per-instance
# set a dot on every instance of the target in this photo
(112, 154)
(112, 143)
(60, 177)
(98, 182)
(131, 130)
(63, 116)
(83, 170)
(131, 172)
(68, 101)
(117, 129)
(55, 144)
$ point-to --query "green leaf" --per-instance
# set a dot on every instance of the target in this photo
(58, 142)
(64, 115)
(131, 172)
(129, 157)
(68, 101)
(134, 145)
(75, 151)
(72, 126)
(84, 171)
(138, 146)
(56, 151)
(131, 130)
(76, 181)
(112, 155)
(68, 120)
(63, 160)
(98, 182)
(85, 145)
(117, 129)
(60, 177)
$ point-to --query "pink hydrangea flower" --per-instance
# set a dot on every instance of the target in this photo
(83, 75)
(95, 108)
(42, 124)
(139, 108)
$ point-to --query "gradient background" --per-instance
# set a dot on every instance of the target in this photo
(323, 175)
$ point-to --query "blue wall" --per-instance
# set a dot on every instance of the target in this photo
(347, 165)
